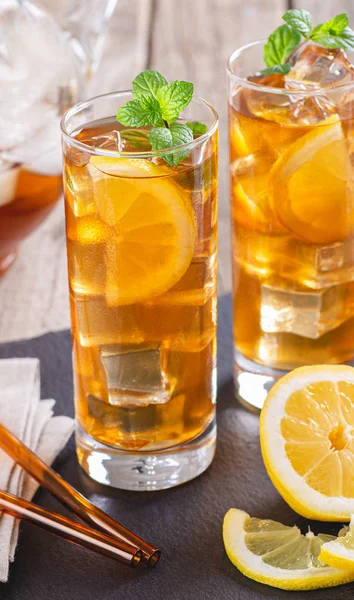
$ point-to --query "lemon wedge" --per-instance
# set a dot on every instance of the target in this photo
(278, 555)
(307, 440)
(339, 553)
(311, 186)
(152, 237)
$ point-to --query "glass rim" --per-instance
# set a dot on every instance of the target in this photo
(76, 108)
(307, 92)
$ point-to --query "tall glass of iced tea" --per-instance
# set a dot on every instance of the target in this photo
(142, 258)
(292, 197)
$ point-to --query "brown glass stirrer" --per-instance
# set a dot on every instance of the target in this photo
(71, 498)
(78, 534)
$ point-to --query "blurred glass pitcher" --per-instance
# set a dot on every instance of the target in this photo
(49, 49)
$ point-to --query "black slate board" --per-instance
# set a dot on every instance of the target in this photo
(185, 521)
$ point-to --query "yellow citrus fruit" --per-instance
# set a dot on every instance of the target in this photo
(307, 440)
(278, 555)
(339, 553)
(311, 186)
(152, 229)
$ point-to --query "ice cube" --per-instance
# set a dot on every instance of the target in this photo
(87, 238)
(317, 66)
(100, 325)
(318, 266)
(110, 140)
(286, 108)
(307, 313)
(79, 182)
(135, 375)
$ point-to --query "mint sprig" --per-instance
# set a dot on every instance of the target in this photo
(334, 33)
(280, 45)
(158, 103)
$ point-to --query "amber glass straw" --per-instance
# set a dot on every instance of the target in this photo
(71, 498)
(69, 530)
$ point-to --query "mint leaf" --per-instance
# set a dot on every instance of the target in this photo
(280, 45)
(276, 70)
(162, 138)
(346, 39)
(132, 114)
(159, 103)
(181, 134)
(152, 109)
(300, 20)
(147, 83)
(196, 127)
(324, 34)
(173, 99)
(338, 24)
(138, 138)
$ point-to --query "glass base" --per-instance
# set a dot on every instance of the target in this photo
(253, 381)
(145, 471)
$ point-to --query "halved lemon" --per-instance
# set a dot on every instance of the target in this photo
(339, 553)
(153, 229)
(311, 186)
(307, 440)
(278, 555)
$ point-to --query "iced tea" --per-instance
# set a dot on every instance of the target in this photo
(292, 196)
(142, 243)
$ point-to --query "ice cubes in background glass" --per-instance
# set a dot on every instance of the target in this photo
(312, 67)
(319, 67)
(45, 61)
(135, 375)
(303, 312)
(37, 71)
(85, 23)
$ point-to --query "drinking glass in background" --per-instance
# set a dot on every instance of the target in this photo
(44, 65)
(142, 244)
(292, 198)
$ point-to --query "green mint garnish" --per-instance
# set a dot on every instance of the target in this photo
(300, 20)
(158, 103)
(176, 135)
(148, 83)
(334, 33)
(196, 127)
(280, 45)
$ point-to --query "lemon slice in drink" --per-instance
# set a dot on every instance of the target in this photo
(307, 440)
(311, 186)
(278, 555)
(153, 230)
(339, 553)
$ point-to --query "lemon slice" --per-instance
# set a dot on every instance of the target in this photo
(339, 553)
(311, 186)
(307, 440)
(277, 555)
(153, 230)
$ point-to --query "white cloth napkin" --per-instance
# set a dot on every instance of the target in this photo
(31, 420)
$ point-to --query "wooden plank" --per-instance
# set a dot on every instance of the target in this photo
(34, 293)
(322, 10)
(192, 40)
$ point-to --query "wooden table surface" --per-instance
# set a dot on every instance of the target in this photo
(184, 39)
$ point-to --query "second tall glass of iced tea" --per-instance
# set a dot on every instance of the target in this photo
(292, 198)
(142, 244)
